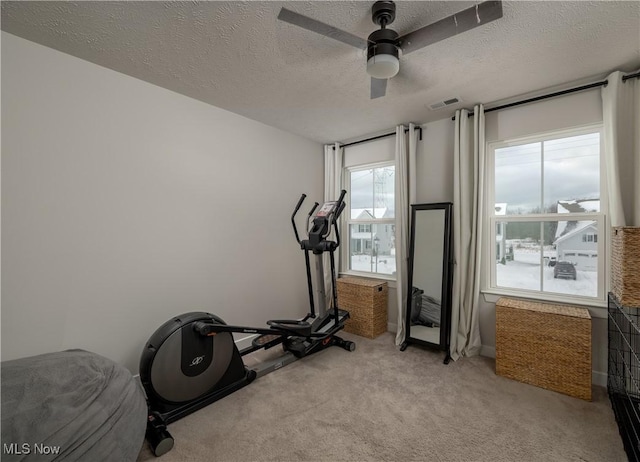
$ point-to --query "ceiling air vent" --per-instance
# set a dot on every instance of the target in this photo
(445, 103)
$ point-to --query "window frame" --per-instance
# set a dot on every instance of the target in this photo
(346, 221)
(601, 218)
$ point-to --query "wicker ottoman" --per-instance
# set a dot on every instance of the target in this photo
(545, 345)
(366, 302)
(625, 265)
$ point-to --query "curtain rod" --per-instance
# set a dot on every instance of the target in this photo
(378, 137)
(630, 76)
(550, 95)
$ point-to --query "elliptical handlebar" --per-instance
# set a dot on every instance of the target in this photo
(313, 209)
(340, 203)
(340, 206)
(335, 212)
(293, 216)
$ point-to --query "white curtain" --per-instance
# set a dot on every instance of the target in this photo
(636, 89)
(468, 188)
(333, 168)
(621, 117)
(405, 191)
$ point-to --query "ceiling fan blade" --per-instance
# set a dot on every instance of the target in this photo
(378, 87)
(463, 21)
(321, 28)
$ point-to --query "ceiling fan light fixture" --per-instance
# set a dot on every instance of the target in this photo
(383, 66)
(382, 54)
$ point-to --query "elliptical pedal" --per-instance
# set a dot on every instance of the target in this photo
(297, 345)
(267, 341)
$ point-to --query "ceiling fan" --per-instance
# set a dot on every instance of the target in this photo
(383, 45)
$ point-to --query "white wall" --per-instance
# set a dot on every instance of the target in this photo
(636, 141)
(124, 204)
(434, 170)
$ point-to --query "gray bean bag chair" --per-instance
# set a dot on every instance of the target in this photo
(71, 406)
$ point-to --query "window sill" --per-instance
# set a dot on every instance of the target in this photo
(597, 308)
(391, 280)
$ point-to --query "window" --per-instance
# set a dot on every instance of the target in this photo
(371, 220)
(546, 208)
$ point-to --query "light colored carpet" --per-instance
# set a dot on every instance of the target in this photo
(380, 404)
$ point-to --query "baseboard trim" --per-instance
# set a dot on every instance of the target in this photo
(245, 342)
(599, 378)
(488, 351)
(392, 327)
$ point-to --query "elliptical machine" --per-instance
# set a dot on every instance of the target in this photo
(192, 360)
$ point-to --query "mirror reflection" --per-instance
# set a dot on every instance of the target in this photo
(428, 314)
(426, 292)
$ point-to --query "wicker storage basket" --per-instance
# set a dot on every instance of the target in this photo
(545, 345)
(366, 302)
(625, 265)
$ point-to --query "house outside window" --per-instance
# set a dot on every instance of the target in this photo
(370, 249)
(546, 209)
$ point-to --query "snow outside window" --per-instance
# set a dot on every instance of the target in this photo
(546, 210)
(370, 249)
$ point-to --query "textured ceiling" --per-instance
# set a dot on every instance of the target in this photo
(238, 56)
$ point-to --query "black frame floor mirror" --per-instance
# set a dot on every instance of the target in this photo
(428, 313)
